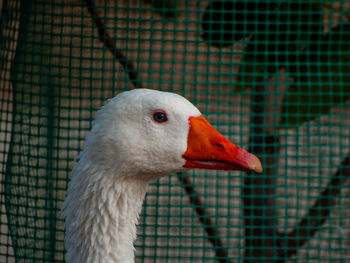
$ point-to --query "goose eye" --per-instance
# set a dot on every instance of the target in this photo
(160, 116)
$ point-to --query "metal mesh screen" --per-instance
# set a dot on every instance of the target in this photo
(272, 76)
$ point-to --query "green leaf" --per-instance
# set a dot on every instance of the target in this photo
(323, 80)
(165, 8)
(323, 87)
(225, 22)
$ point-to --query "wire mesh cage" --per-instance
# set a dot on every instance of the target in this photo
(272, 76)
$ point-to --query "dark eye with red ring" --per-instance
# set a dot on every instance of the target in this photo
(160, 116)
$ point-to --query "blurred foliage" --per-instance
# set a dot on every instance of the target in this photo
(165, 8)
(225, 22)
(286, 35)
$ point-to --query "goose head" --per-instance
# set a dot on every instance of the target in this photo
(138, 136)
(148, 134)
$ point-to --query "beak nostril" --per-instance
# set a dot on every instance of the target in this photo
(219, 145)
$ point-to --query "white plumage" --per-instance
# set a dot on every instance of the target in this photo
(126, 148)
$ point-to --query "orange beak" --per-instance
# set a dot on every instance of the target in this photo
(208, 149)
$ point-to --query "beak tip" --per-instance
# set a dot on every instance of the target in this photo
(255, 165)
(257, 169)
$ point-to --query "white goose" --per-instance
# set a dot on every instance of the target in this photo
(140, 135)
